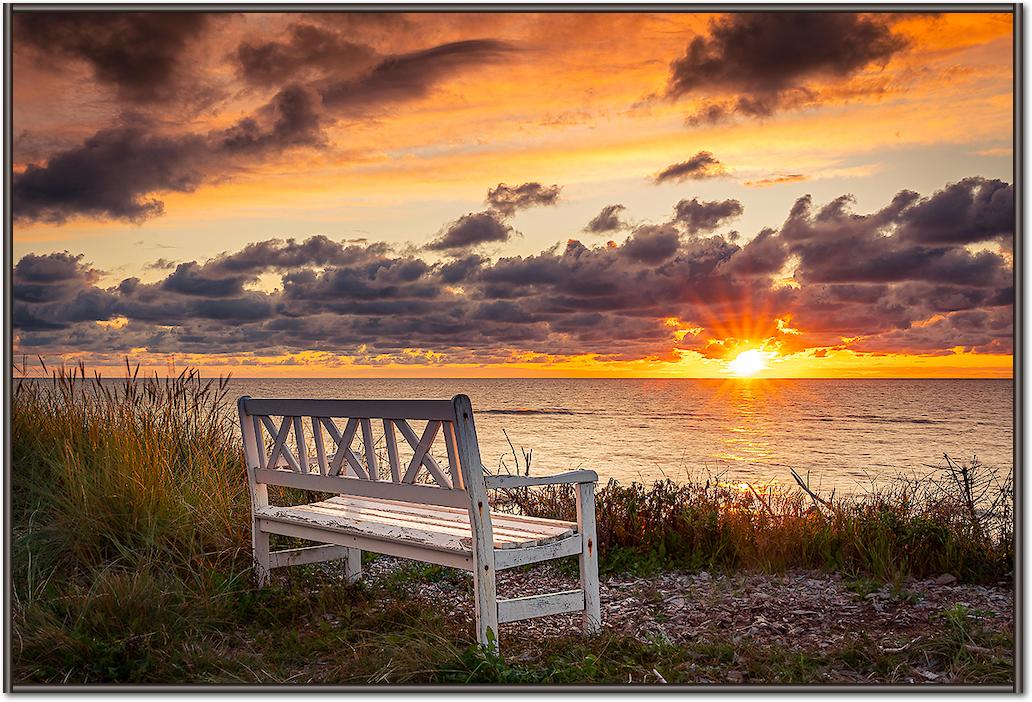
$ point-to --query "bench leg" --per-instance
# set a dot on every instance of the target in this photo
(486, 600)
(592, 621)
(262, 561)
(353, 564)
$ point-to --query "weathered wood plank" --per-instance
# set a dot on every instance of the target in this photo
(320, 447)
(307, 554)
(352, 558)
(254, 453)
(258, 440)
(417, 536)
(540, 605)
(513, 557)
(368, 543)
(504, 537)
(428, 494)
(505, 518)
(592, 621)
(372, 465)
(513, 481)
(451, 515)
(421, 452)
(391, 440)
(441, 410)
(353, 564)
(452, 445)
(279, 446)
(344, 451)
(484, 576)
(341, 515)
(302, 447)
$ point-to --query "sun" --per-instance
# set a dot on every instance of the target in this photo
(749, 362)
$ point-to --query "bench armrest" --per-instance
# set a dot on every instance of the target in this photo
(514, 481)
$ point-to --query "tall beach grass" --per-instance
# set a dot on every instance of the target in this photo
(904, 529)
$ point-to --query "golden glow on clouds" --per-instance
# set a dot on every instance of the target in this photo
(317, 364)
(554, 114)
(514, 112)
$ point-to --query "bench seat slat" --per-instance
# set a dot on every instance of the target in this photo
(379, 530)
(445, 521)
(348, 516)
(421, 508)
(352, 539)
(536, 527)
(449, 529)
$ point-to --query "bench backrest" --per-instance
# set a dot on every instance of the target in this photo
(308, 444)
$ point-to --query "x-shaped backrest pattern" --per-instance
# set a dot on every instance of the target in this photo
(334, 455)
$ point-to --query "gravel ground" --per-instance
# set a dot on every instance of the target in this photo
(799, 610)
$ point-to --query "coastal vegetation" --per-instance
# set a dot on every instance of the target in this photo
(131, 563)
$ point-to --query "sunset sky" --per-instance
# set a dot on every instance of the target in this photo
(345, 194)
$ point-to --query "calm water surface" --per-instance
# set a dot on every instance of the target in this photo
(844, 432)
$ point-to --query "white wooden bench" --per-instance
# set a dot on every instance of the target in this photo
(414, 506)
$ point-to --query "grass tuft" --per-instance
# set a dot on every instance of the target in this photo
(907, 529)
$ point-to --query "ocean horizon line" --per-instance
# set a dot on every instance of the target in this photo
(564, 377)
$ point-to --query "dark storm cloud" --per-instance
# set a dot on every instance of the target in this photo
(765, 60)
(968, 212)
(110, 176)
(246, 308)
(410, 76)
(306, 48)
(291, 120)
(858, 281)
(608, 220)
(710, 113)
(318, 250)
(190, 279)
(979, 331)
(461, 269)
(139, 54)
(696, 216)
(162, 264)
(507, 199)
(52, 277)
(700, 166)
(377, 279)
(764, 255)
(87, 305)
(116, 172)
(652, 243)
(836, 245)
(472, 230)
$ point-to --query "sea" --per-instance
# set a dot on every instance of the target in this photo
(846, 435)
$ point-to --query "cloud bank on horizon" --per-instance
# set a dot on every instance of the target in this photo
(898, 280)
(192, 102)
